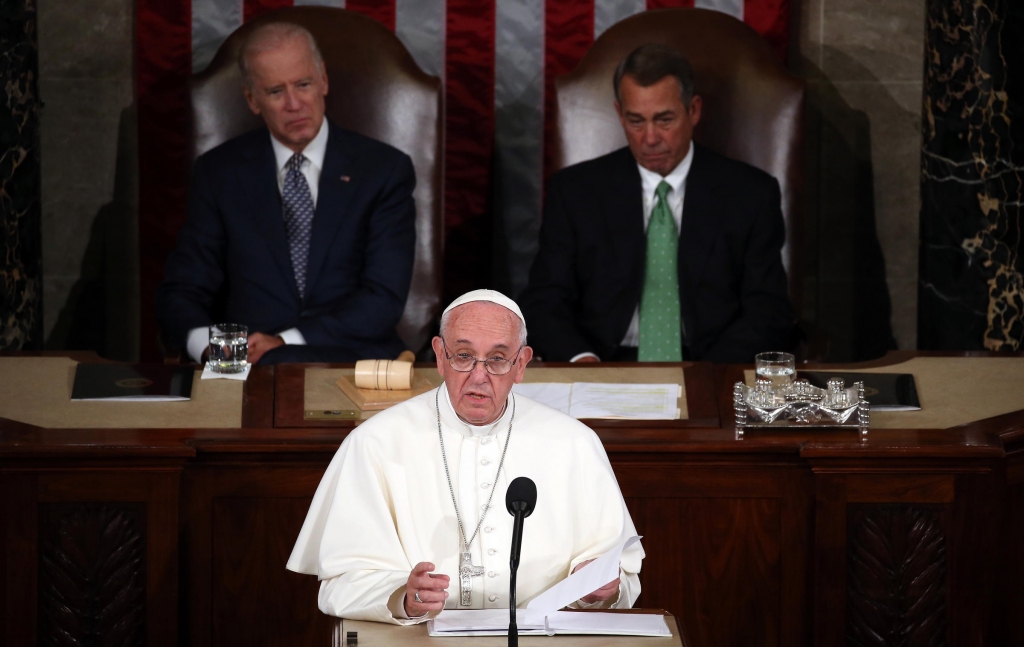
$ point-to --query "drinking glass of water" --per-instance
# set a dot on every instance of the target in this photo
(229, 349)
(780, 368)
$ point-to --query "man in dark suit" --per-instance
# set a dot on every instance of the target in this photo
(662, 250)
(301, 230)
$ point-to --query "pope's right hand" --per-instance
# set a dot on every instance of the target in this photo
(431, 588)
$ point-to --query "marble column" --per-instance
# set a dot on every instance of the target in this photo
(971, 293)
(21, 314)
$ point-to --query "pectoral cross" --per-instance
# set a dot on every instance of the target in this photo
(466, 572)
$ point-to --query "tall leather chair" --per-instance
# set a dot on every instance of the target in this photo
(753, 108)
(377, 90)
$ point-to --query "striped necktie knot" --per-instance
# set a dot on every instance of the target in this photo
(295, 162)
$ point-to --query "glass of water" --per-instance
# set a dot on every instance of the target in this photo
(229, 348)
(779, 368)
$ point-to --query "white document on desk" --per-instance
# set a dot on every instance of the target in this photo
(494, 622)
(553, 394)
(633, 401)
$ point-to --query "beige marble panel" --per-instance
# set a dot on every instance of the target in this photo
(89, 170)
(79, 138)
(79, 131)
(86, 39)
(868, 40)
(807, 60)
(895, 140)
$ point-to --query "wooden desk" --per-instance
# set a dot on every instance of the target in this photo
(772, 539)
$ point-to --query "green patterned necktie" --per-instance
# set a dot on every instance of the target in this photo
(660, 337)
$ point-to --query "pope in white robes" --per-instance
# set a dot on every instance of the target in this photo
(383, 535)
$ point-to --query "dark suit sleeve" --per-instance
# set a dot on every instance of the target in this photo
(378, 302)
(194, 274)
(767, 317)
(550, 301)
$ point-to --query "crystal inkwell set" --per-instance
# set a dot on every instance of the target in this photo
(777, 401)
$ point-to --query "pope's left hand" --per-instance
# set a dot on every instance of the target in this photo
(603, 593)
(260, 343)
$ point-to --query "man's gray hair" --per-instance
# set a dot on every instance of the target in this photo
(446, 317)
(269, 37)
(652, 62)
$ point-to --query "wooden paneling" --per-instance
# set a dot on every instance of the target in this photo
(905, 557)
(897, 576)
(931, 488)
(1009, 594)
(21, 558)
(976, 551)
(252, 539)
(829, 560)
(240, 524)
(92, 573)
(67, 524)
(715, 564)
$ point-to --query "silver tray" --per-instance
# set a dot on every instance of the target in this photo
(799, 405)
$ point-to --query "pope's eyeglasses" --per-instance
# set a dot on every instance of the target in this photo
(464, 362)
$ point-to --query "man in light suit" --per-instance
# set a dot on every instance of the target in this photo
(301, 230)
(663, 250)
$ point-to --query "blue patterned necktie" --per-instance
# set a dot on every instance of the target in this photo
(298, 218)
(660, 329)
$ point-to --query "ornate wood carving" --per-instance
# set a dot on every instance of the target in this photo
(92, 580)
(896, 576)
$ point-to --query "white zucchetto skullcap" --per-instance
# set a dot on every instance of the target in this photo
(486, 295)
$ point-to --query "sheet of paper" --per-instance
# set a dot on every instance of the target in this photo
(553, 394)
(209, 374)
(494, 622)
(586, 580)
(484, 622)
(595, 622)
(136, 398)
(635, 401)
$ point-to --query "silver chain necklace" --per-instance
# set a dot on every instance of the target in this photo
(467, 570)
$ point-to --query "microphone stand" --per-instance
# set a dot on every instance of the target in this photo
(517, 537)
(520, 500)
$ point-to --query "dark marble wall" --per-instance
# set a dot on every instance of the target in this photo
(21, 316)
(972, 185)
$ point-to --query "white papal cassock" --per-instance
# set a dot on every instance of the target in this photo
(384, 505)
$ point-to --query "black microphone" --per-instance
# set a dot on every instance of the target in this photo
(520, 500)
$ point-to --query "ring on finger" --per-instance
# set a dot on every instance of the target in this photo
(416, 597)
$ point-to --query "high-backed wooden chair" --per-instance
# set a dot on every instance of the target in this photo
(376, 89)
(753, 108)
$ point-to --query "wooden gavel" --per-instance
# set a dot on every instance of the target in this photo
(385, 374)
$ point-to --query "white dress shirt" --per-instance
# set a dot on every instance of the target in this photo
(314, 152)
(649, 181)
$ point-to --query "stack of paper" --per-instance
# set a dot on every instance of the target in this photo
(542, 616)
(596, 400)
(494, 622)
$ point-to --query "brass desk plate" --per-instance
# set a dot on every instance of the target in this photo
(337, 414)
